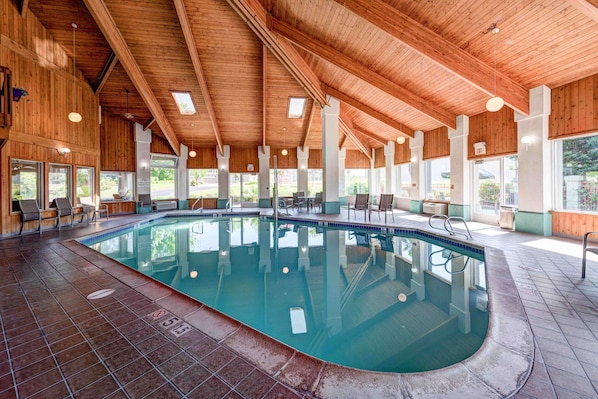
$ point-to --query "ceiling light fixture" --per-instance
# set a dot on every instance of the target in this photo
(192, 153)
(74, 116)
(401, 140)
(127, 114)
(495, 103)
(284, 151)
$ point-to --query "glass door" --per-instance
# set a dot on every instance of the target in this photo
(244, 189)
(494, 184)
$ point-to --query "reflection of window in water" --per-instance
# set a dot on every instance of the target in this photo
(118, 247)
(204, 236)
(163, 241)
(403, 248)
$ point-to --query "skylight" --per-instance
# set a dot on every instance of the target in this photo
(184, 102)
(296, 107)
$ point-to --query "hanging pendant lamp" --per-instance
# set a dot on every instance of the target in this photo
(284, 151)
(495, 103)
(74, 116)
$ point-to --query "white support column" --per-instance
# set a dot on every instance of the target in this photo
(389, 156)
(263, 154)
(143, 140)
(373, 187)
(460, 170)
(264, 235)
(223, 176)
(535, 182)
(418, 177)
(302, 159)
(224, 264)
(330, 162)
(419, 256)
(183, 178)
(460, 284)
(333, 291)
(342, 156)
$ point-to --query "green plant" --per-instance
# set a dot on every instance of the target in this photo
(489, 191)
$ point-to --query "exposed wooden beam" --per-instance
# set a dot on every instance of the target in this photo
(310, 120)
(256, 17)
(201, 77)
(588, 7)
(369, 111)
(148, 122)
(106, 71)
(347, 128)
(24, 7)
(443, 52)
(371, 135)
(342, 144)
(350, 65)
(103, 18)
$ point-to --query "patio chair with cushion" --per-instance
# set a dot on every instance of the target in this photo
(65, 208)
(299, 200)
(384, 205)
(145, 200)
(362, 203)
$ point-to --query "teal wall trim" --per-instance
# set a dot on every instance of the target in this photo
(416, 206)
(534, 223)
(463, 211)
(222, 203)
(183, 204)
(264, 203)
(331, 208)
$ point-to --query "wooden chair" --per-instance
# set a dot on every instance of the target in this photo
(586, 249)
(30, 211)
(362, 203)
(90, 208)
(65, 208)
(145, 200)
(384, 205)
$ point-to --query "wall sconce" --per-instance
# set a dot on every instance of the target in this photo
(144, 166)
(526, 140)
(222, 167)
(413, 159)
(63, 152)
(17, 93)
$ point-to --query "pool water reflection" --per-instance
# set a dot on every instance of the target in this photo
(367, 300)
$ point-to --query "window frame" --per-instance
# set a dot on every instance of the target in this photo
(68, 181)
(39, 170)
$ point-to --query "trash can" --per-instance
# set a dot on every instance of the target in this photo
(507, 216)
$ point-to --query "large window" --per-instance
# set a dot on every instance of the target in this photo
(287, 181)
(403, 176)
(356, 181)
(203, 183)
(26, 182)
(438, 179)
(117, 183)
(59, 181)
(577, 174)
(315, 182)
(163, 177)
(380, 182)
(84, 184)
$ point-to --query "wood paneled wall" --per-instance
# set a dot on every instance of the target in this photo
(284, 162)
(356, 160)
(241, 157)
(205, 159)
(571, 224)
(497, 129)
(40, 124)
(402, 153)
(315, 159)
(574, 108)
(379, 158)
(159, 145)
(436, 143)
(117, 144)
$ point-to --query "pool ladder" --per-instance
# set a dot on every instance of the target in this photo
(448, 227)
(200, 210)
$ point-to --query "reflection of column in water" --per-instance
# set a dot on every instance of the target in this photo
(332, 280)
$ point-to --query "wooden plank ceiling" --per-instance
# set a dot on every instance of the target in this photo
(397, 66)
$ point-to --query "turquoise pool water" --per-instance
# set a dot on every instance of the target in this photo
(366, 299)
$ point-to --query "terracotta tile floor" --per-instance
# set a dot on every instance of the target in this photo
(55, 343)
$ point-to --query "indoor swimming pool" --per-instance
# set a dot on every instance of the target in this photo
(381, 300)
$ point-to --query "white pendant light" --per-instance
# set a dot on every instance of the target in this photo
(192, 153)
(284, 151)
(74, 116)
(495, 103)
(401, 140)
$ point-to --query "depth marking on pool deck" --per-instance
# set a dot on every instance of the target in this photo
(173, 324)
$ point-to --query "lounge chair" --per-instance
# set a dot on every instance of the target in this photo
(30, 211)
(90, 208)
(586, 248)
(145, 200)
(361, 239)
(285, 203)
(64, 208)
(384, 205)
(362, 203)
